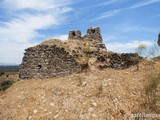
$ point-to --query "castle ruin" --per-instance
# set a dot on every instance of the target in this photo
(93, 33)
(74, 35)
(54, 58)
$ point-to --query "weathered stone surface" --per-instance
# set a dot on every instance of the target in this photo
(93, 33)
(118, 61)
(56, 58)
(45, 61)
(74, 34)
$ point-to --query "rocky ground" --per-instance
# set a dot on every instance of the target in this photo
(91, 95)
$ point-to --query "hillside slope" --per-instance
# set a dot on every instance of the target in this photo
(91, 95)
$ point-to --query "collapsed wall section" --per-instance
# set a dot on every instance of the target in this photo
(45, 61)
(118, 61)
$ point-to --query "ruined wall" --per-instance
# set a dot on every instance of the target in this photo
(45, 61)
(93, 33)
(118, 61)
(50, 58)
(74, 34)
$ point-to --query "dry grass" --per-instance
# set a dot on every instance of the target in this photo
(78, 96)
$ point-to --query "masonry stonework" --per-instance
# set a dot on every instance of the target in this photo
(74, 35)
(118, 61)
(45, 61)
(61, 58)
(93, 33)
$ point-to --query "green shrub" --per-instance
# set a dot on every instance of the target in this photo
(5, 84)
(100, 88)
(141, 50)
(148, 52)
(1, 73)
(151, 93)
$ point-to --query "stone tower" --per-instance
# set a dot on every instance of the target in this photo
(93, 33)
(158, 42)
(74, 34)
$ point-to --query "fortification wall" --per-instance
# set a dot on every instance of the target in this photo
(45, 61)
(55, 58)
(118, 61)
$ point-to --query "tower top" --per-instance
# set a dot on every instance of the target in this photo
(74, 34)
(93, 33)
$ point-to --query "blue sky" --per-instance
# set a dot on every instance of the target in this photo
(125, 24)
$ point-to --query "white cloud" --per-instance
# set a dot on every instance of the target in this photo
(107, 14)
(135, 27)
(61, 37)
(11, 53)
(144, 3)
(21, 29)
(34, 4)
(108, 2)
(107, 37)
(116, 11)
(127, 47)
(105, 3)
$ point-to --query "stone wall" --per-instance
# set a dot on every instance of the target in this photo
(54, 58)
(74, 34)
(118, 61)
(45, 61)
(93, 33)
